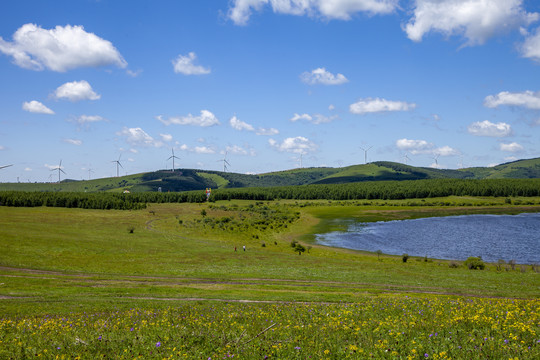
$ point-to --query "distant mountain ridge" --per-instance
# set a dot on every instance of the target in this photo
(192, 179)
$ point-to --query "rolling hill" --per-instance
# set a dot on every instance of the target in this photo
(191, 179)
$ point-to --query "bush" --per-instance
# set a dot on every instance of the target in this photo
(475, 263)
(405, 257)
(453, 265)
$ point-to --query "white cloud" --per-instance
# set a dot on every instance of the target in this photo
(36, 107)
(528, 99)
(297, 145)
(204, 120)
(2, 148)
(85, 119)
(166, 137)
(414, 146)
(321, 76)
(76, 91)
(369, 105)
(27, 169)
(487, 128)
(73, 141)
(327, 9)
(237, 124)
(315, 119)
(512, 147)
(238, 150)
(138, 137)
(53, 167)
(197, 149)
(270, 131)
(476, 20)
(531, 46)
(331, 107)
(184, 65)
(203, 150)
(59, 49)
(446, 151)
(297, 117)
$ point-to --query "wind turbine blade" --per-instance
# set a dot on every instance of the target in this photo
(62, 171)
(5, 166)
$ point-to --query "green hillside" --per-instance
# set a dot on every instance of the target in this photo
(190, 179)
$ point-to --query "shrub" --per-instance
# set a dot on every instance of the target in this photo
(453, 265)
(299, 248)
(263, 244)
(405, 257)
(475, 263)
(131, 229)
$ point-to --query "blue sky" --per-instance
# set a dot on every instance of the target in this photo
(267, 85)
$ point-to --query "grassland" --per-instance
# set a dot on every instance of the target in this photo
(94, 275)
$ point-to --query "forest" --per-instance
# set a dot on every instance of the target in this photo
(376, 190)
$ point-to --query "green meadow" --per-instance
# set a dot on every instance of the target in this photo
(173, 281)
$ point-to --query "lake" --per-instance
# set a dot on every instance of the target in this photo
(492, 237)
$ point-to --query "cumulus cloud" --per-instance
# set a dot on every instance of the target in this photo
(166, 137)
(238, 124)
(445, 151)
(528, 99)
(36, 107)
(267, 131)
(241, 10)
(59, 49)
(198, 149)
(297, 117)
(297, 145)
(512, 147)
(315, 119)
(76, 91)
(414, 146)
(369, 105)
(487, 128)
(322, 76)
(204, 120)
(85, 119)
(238, 150)
(476, 20)
(531, 46)
(73, 141)
(185, 65)
(138, 137)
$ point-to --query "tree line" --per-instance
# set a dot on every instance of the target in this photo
(375, 190)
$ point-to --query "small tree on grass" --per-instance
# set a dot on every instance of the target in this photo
(203, 212)
(379, 252)
(405, 257)
(475, 263)
(299, 248)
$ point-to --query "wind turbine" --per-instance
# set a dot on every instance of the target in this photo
(365, 153)
(5, 166)
(90, 171)
(435, 158)
(118, 164)
(405, 158)
(173, 157)
(225, 162)
(59, 168)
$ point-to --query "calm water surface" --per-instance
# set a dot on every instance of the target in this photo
(492, 237)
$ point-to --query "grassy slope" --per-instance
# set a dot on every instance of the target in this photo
(93, 257)
(188, 179)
